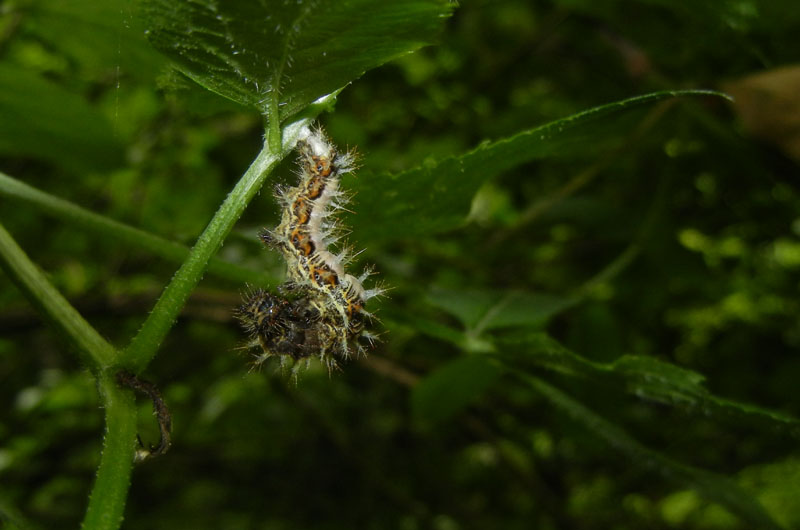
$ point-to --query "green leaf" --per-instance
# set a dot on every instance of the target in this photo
(436, 330)
(453, 387)
(712, 486)
(436, 197)
(777, 485)
(481, 309)
(40, 119)
(646, 377)
(99, 36)
(272, 55)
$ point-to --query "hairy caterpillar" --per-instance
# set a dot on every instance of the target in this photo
(320, 310)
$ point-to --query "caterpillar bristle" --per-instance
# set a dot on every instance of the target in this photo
(320, 310)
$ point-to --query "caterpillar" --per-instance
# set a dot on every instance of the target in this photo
(320, 309)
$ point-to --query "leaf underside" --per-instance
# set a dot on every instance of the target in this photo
(282, 56)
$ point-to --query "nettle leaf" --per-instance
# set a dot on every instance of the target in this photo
(40, 119)
(482, 309)
(452, 387)
(436, 197)
(777, 486)
(646, 377)
(712, 486)
(98, 35)
(284, 55)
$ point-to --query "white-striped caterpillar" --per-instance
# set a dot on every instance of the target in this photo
(320, 309)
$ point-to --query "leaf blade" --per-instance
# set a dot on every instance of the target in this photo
(280, 56)
(646, 377)
(482, 309)
(436, 197)
(453, 387)
(712, 486)
(39, 120)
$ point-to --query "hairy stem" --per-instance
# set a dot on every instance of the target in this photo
(107, 500)
(145, 344)
(120, 232)
(51, 303)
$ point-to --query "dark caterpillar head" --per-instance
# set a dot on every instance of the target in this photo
(262, 311)
(283, 326)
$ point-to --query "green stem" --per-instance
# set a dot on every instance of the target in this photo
(120, 232)
(107, 500)
(46, 298)
(145, 344)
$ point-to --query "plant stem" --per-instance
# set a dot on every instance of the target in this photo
(145, 344)
(107, 500)
(50, 302)
(120, 232)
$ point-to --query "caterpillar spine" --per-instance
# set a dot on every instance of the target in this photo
(320, 310)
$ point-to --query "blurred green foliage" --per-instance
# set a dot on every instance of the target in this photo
(660, 244)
